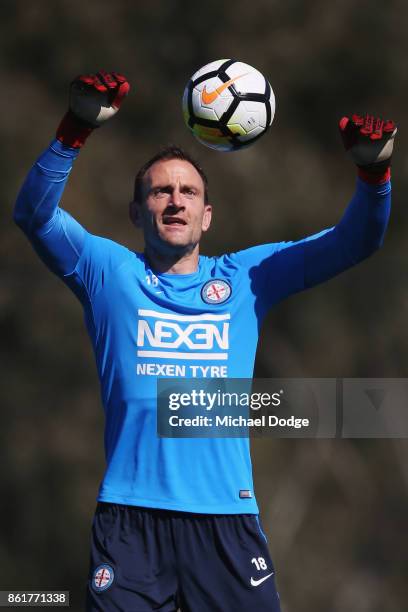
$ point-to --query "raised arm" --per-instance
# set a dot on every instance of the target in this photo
(359, 233)
(369, 141)
(280, 269)
(55, 235)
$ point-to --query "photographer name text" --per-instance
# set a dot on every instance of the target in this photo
(239, 421)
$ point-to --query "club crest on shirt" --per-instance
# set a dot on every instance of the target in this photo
(102, 577)
(215, 291)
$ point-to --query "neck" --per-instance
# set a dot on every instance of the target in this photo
(176, 263)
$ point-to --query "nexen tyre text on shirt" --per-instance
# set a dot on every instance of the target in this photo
(178, 335)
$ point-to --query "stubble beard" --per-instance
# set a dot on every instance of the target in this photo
(167, 251)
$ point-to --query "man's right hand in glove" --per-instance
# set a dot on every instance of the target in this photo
(369, 140)
(93, 99)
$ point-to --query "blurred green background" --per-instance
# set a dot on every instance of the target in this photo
(335, 511)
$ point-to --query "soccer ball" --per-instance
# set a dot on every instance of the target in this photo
(228, 105)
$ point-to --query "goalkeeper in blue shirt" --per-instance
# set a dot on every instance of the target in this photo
(177, 523)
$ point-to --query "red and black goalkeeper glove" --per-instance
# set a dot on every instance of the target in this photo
(370, 141)
(93, 99)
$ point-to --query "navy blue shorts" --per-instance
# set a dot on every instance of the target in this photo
(146, 559)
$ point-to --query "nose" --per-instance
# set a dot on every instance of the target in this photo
(176, 199)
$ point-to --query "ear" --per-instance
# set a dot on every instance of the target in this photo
(206, 217)
(135, 214)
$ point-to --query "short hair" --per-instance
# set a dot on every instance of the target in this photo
(167, 154)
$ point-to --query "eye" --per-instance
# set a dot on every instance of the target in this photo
(189, 191)
(159, 192)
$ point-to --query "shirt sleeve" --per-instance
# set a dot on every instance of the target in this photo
(56, 236)
(82, 260)
(279, 269)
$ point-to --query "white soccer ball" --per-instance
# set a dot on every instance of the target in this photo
(228, 105)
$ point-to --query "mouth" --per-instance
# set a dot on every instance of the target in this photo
(171, 220)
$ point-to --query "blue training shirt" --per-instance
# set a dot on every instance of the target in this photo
(143, 324)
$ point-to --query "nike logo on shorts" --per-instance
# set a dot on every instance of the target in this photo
(258, 582)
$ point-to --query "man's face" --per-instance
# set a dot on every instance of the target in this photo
(172, 213)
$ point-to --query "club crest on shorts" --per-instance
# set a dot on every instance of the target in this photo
(215, 291)
(102, 577)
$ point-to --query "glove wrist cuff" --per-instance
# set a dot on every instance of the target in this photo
(374, 177)
(73, 131)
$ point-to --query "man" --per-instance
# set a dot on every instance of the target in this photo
(177, 522)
